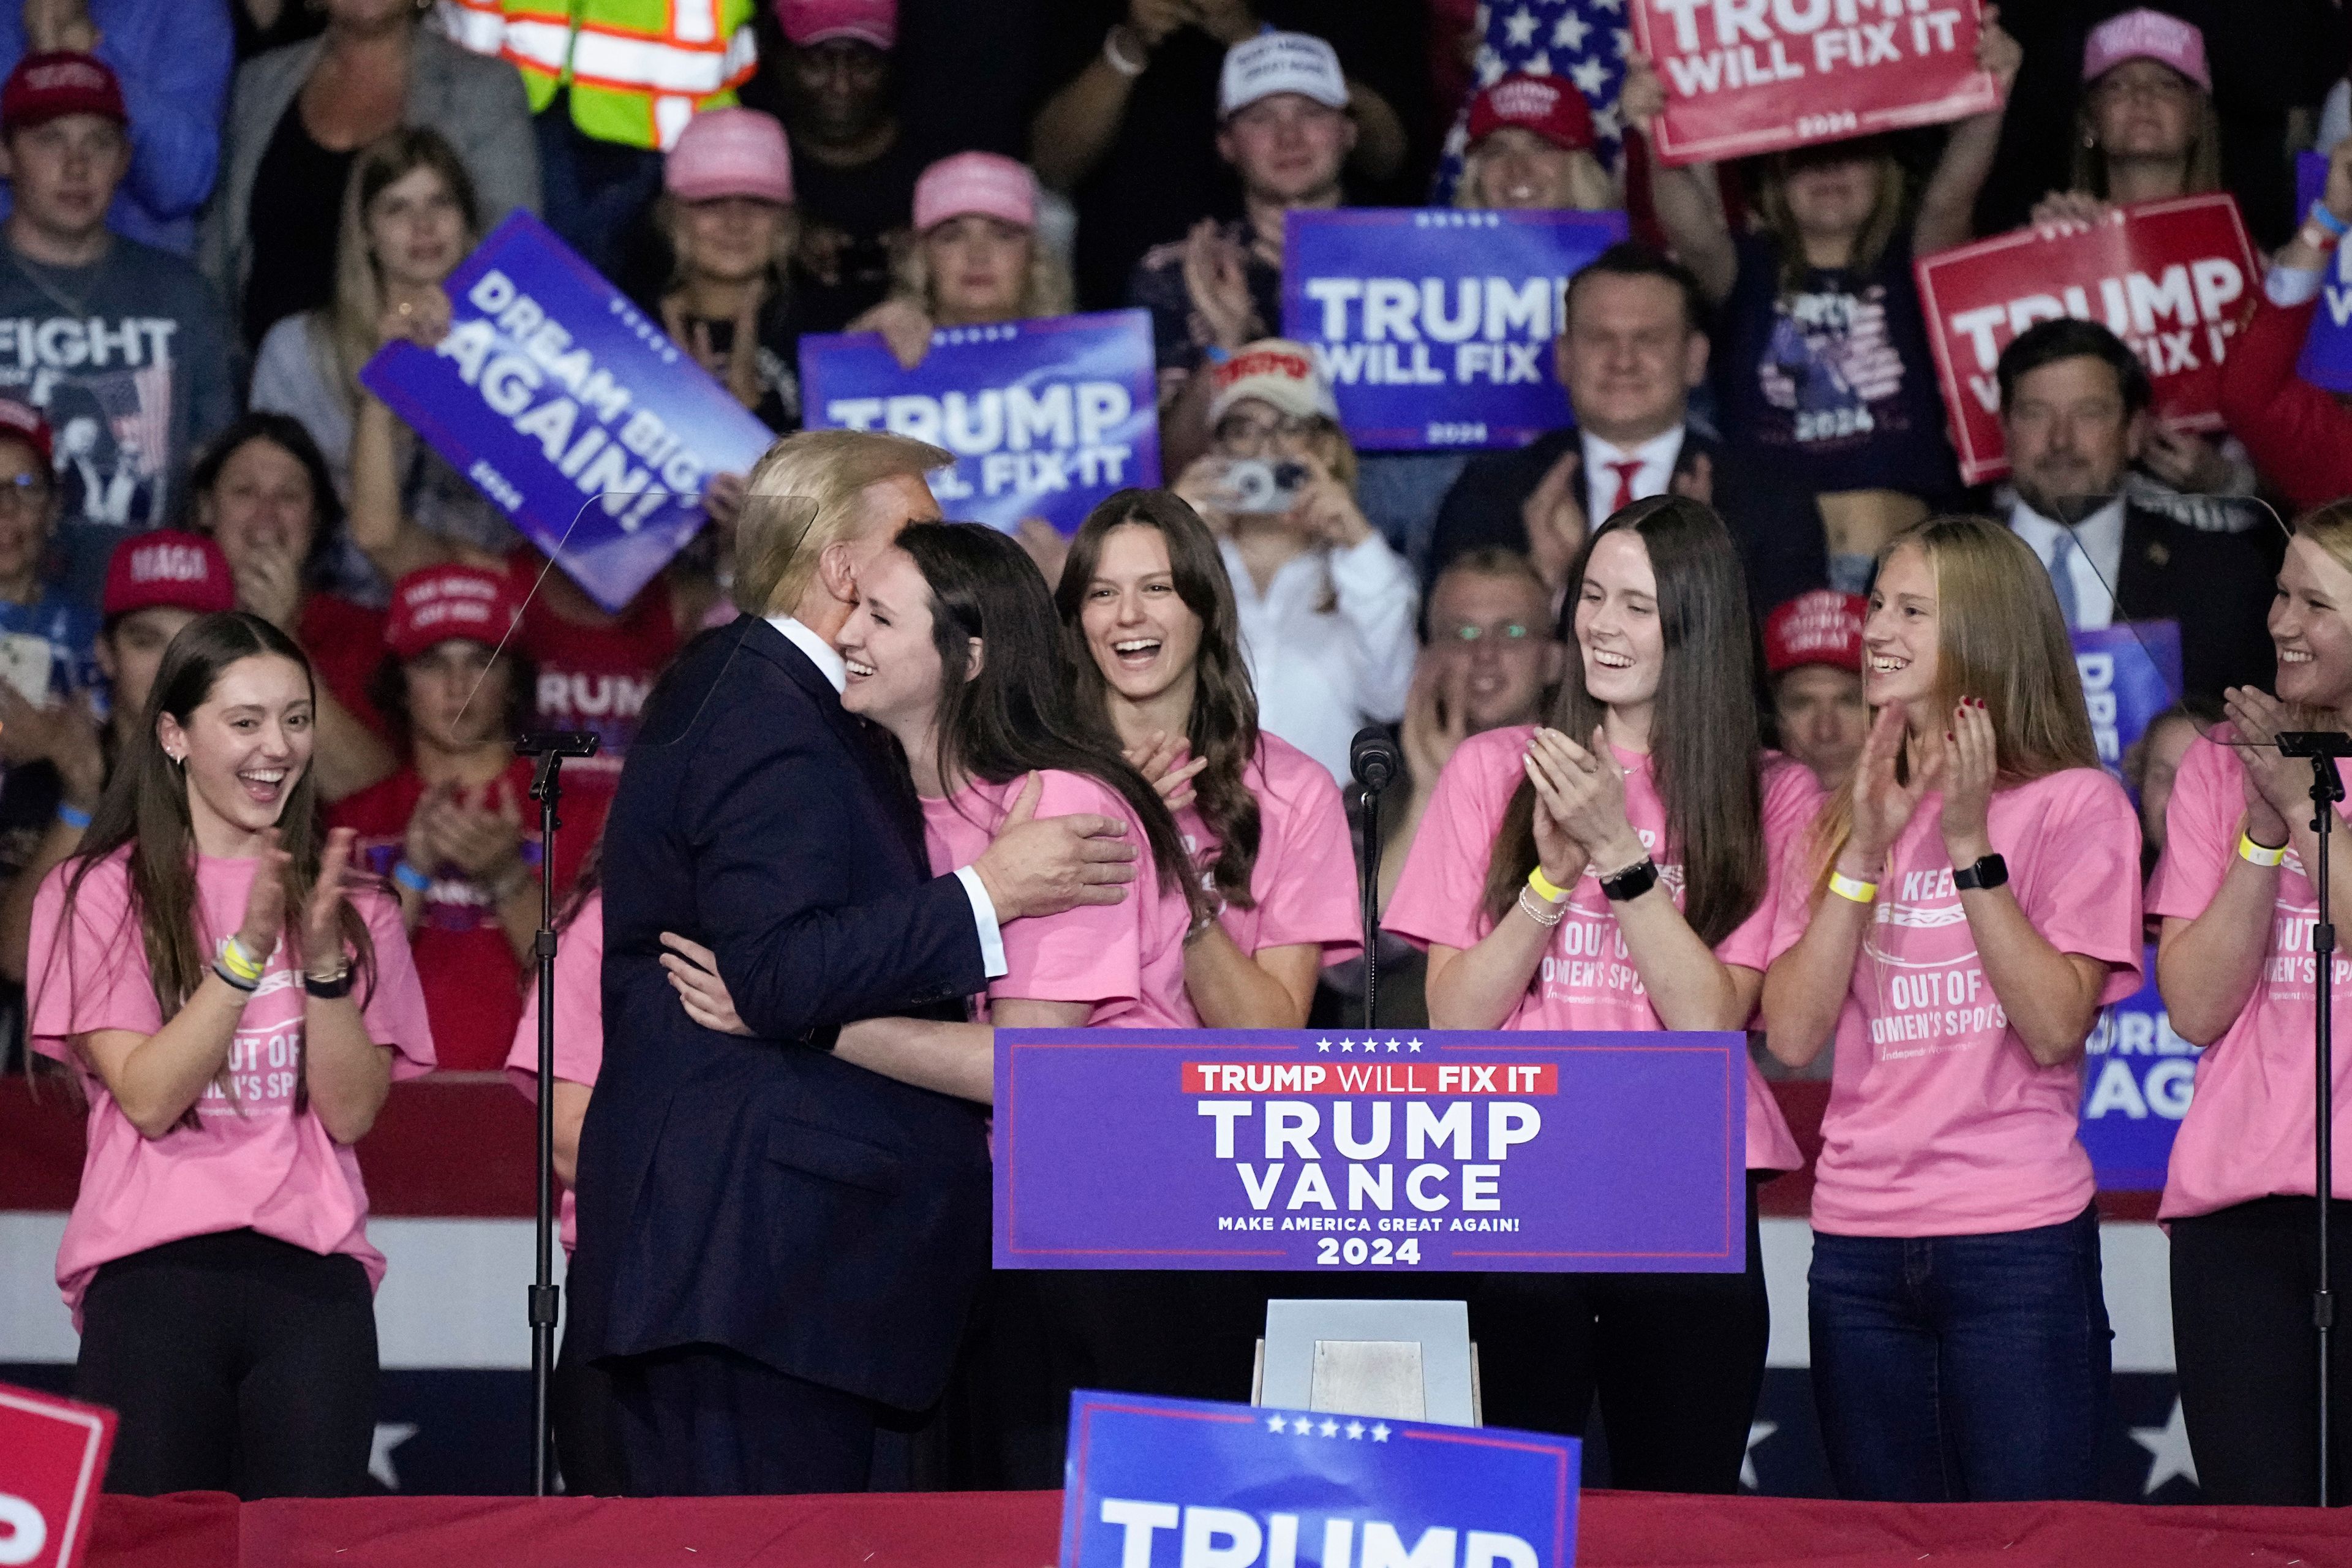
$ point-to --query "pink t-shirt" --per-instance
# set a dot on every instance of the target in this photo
(1939, 1122)
(1587, 979)
(252, 1160)
(2248, 1131)
(1124, 960)
(1304, 881)
(579, 1022)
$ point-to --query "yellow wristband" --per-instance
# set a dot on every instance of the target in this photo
(1546, 889)
(1846, 887)
(241, 964)
(2259, 854)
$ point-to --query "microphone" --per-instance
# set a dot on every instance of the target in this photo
(1372, 758)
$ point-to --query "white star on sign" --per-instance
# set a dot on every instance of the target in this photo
(1380, 1433)
(1415, 1047)
(1356, 1429)
(1589, 76)
(1274, 1423)
(388, 1435)
(1325, 1046)
(1519, 27)
(1348, 1047)
(2169, 1445)
(1757, 1431)
(1567, 33)
(1330, 1428)
(1393, 1050)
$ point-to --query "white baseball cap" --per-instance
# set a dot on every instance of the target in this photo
(1273, 62)
(1275, 371)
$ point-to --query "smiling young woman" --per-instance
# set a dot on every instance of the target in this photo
(234, 1014)
(1973, 900)
(2236, 970)
(1599, 872)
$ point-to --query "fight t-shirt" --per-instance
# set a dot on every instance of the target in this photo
(470, 972)
(252, 1160)
(1302, 884)
(1126, 960)
(2250, 1132)
(1939, 1122)
(1587, 979)
(579, 1024)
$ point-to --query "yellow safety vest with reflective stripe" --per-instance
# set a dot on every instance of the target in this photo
(638, 69)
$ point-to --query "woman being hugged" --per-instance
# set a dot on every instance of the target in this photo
(1148, 611)
(1975, 901)
(236, 1011)
(1603, 872)
(2236, 968)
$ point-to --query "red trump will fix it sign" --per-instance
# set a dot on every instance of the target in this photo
(1744, 77)
(2170, 278)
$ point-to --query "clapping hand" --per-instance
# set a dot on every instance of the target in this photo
(322, 927)
(1583, 792)
(1216, 278)
(1971, 762)
(2278, 788)
(1881, 805)
(1436, 719)
(1556, 524)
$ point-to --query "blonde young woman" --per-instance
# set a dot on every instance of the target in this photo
(1532, 145)
(975, 259)
(1973, 900)
(410, 216)
(2235, 966)
(727, 206)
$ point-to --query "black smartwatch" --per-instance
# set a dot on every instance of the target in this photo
(1986, 874)
(1632, 882)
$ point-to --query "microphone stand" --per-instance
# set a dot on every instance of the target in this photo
(2323, 747)
(1372, 758)
(547, 788)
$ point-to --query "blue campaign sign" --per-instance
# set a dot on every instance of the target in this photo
(1435, 327)
(1182, 1483)
(2130, 674)
(2327, 348)
(1047, 418)
(2137, 1079)
(1299, 1149)
(570, 408)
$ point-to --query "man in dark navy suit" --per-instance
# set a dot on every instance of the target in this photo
(777, 1249)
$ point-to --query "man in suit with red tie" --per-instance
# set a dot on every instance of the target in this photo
(1631, 347)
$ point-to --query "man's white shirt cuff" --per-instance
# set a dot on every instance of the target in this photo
(983, 918)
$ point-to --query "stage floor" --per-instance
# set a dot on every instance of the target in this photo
(1019, 1530)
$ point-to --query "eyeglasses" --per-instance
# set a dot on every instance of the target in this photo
(1499, 634)
(1247, 436)
(23, 493)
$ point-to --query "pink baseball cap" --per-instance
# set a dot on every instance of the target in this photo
(983, 183)
(807, 23)
(2146, 34)
(731, 153)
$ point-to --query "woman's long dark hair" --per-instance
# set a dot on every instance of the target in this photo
(1019, 712)
(1223, 726)
(145, 807)
(1703, 739)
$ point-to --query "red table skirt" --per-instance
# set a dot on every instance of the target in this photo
(1019, 1530)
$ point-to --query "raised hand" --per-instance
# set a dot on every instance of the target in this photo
(1882, 806)
(323, 930)
(1643, 98)
(1998, 54)
(1216, 277)
(1585, 793)
(1324, 510)
(1971, 763)
(2279, 786)
(265, 900)
(421, 319)
(1554, 516)
(1435, 714)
